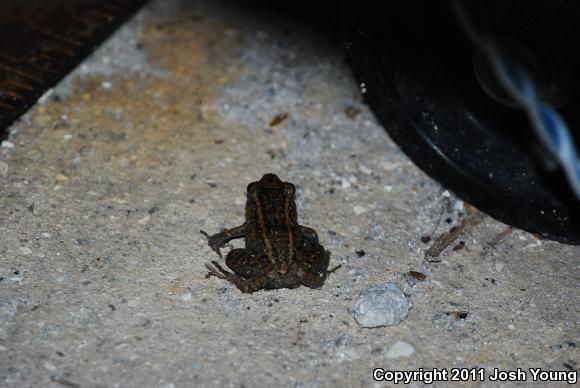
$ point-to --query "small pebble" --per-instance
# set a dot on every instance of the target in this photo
(348, 355)
(363, 88)
(144, 220)
(342, 340)
(400, 349)
(25, 250)
(186, 296)
(381, 305)
(365, 170)
(568, 345)
(3, 169)
(49, 366)
(359, 209)
(7, 144)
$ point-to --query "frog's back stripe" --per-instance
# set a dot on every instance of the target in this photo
(262, 228)
(288, 223)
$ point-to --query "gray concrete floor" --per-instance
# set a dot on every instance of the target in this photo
(105, 183)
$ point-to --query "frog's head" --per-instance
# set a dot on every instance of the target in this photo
(271, 182)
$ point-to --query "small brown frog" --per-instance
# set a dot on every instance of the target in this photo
(278, 252)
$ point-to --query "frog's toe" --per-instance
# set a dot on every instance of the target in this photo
(334, 269)
(217, 250)
(215, 247)
(215, 270)
(213, 244)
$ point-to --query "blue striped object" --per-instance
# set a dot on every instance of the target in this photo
(549, 125)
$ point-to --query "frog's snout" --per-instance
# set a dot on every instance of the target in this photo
(270, 180)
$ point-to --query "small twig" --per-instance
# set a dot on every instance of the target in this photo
(64, 382)
(444, 240)
(500, 236)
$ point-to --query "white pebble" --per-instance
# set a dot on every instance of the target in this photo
(381, 305)
(348, 355)
(458, 206)
(7, 144)
(359, 209)
(25, 250)
(400, 349)
(49, 366)
(365, 170)
(363, 88)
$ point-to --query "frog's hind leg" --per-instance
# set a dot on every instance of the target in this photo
(251, 273)
(244, 285)
(247, 265)
(311, 280)
(313, 269)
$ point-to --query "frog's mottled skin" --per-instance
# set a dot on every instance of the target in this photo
(279, 253)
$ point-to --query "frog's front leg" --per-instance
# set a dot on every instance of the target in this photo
(218, 240)
(244, 285)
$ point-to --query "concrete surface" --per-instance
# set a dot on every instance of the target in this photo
(105, 183)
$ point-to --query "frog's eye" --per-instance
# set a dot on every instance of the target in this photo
(289, 188)
(251, 188)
